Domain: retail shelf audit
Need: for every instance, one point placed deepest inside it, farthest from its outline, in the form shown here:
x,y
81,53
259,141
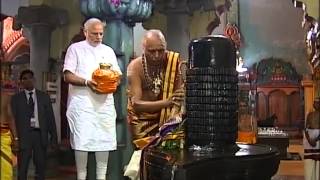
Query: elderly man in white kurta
x,y
91,116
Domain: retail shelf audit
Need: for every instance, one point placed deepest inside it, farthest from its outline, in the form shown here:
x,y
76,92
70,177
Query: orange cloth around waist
x,y
142,124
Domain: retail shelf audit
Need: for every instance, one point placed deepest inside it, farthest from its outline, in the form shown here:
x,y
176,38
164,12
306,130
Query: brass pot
x,y
106,78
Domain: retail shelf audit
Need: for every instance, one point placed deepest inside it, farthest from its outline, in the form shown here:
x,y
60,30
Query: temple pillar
x,y
178,33
37,23
39,36
309,96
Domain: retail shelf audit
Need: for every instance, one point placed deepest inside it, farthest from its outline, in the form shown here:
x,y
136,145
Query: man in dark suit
x,y
34,121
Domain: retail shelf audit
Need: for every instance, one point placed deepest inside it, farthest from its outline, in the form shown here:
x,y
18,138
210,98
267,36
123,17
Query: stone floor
x,y
293,169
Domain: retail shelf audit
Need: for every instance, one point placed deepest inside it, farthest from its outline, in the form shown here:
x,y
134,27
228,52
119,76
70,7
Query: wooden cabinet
x,y
283,101
279,93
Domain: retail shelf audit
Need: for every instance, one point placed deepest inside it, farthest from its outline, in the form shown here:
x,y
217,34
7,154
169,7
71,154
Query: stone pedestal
x,y
37,23
250,162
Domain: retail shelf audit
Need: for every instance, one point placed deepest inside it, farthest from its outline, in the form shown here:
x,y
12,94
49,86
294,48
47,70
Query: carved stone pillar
x,y
178,33
309,95
37,23
177,16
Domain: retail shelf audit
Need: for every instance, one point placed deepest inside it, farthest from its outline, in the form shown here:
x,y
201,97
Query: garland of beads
x,y
154,83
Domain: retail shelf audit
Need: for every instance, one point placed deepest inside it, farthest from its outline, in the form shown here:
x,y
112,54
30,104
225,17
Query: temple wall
x,y
312,7
37,2
10,7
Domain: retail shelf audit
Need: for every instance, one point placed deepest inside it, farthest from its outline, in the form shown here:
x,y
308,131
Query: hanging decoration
x,y
231,31
115,2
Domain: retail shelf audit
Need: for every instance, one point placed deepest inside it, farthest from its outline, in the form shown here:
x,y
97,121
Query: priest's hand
x,y
178,96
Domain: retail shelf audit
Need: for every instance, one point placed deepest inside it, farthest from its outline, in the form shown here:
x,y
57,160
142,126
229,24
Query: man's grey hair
x,y
157,33
91,22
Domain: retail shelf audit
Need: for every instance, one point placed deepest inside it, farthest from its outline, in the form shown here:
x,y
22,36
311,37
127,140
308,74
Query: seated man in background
x,y
154,87
311,143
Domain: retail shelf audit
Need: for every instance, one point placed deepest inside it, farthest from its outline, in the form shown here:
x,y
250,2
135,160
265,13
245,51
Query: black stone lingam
x,y
211,125
211,93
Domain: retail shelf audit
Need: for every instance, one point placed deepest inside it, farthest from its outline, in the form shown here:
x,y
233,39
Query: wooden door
x,y
278,105
261,106
295,106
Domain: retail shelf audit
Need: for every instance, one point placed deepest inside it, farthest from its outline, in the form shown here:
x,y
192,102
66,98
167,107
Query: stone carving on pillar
x,y
128,11
312,41
37,23
312,37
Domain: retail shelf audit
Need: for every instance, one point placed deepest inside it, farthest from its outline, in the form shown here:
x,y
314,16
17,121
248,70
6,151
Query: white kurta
x,y
91,116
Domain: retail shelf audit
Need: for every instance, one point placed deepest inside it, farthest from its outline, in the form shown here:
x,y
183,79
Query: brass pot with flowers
x,y
106,78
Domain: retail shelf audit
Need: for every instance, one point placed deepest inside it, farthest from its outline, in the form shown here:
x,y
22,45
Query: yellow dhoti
x,y
6,155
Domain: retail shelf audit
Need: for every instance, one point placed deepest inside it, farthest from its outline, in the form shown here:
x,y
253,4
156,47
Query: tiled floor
x,y
288,170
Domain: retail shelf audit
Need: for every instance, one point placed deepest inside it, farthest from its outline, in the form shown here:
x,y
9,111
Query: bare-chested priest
x,y
154,87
